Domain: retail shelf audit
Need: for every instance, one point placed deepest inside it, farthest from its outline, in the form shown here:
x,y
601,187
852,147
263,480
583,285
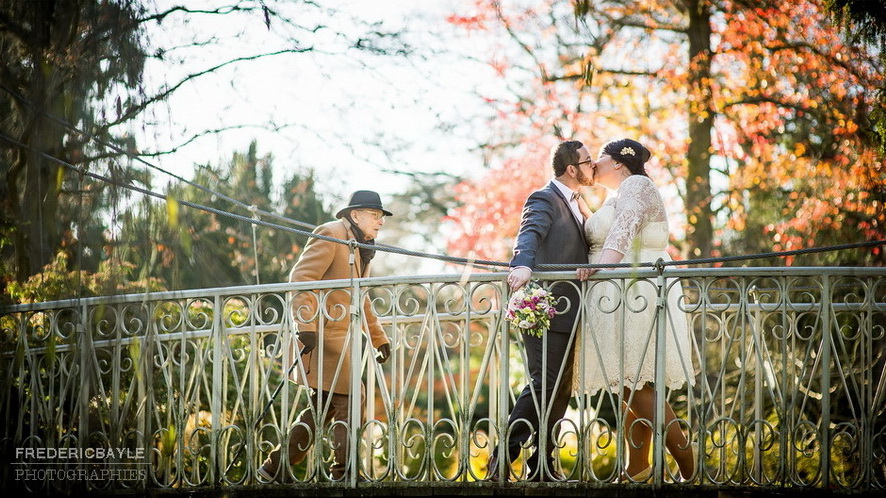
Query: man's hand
x,y
309,340
518,277
384,352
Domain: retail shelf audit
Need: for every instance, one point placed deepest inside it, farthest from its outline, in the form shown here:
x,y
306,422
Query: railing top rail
x,y
640,272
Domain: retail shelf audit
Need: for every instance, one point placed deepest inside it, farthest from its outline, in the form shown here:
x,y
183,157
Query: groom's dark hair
x,y
564,154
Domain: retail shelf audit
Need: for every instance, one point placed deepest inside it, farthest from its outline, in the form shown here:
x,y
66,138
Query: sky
x,y
349,116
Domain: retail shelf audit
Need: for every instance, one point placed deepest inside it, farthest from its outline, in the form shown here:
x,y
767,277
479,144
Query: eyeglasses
x,y
583,162
378,215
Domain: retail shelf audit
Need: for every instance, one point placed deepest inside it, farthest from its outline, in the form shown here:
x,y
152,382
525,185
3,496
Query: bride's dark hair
x,y
629,152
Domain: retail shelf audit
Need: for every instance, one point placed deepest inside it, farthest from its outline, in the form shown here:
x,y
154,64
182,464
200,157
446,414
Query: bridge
x,y
187,392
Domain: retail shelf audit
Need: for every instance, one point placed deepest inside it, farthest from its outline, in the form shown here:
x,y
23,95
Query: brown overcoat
x,y
325,260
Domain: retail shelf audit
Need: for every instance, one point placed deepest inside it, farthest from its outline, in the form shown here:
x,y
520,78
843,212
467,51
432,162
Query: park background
x,y
765,120
142,142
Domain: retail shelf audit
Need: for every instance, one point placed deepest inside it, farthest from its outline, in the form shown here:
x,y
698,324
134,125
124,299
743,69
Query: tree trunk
x,y
43,181
38,231
701,123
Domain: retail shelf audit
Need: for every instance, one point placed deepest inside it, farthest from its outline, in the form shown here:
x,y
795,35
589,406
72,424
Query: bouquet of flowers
x,y
531,309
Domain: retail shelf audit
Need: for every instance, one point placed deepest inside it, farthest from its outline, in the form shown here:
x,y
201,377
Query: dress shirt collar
x,y
571,200
567,192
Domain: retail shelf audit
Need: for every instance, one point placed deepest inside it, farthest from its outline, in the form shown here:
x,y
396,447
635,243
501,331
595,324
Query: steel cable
x,y
439,257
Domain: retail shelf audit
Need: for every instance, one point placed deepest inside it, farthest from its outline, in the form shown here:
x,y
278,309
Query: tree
x,y
72,88
801,122
866,19
490,212
418,208
747,106
60,58
190,248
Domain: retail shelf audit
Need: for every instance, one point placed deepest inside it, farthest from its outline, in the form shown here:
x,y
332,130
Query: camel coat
x,y
325,260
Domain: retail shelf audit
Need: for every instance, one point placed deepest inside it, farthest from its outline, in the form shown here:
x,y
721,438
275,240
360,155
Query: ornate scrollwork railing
x,y
786,385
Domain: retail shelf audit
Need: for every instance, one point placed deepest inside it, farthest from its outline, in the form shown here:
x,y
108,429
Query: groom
x,y
551,232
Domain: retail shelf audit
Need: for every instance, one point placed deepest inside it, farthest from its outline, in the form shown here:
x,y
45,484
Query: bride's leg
x,y
638,435
642,406
678,444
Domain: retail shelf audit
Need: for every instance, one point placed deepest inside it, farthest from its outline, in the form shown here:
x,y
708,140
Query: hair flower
x,y
531,308
628,151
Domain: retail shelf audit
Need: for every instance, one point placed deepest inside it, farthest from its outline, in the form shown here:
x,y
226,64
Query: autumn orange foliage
x,y
780,95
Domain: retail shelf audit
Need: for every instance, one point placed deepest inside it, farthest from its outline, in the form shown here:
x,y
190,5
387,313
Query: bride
x,y
619,344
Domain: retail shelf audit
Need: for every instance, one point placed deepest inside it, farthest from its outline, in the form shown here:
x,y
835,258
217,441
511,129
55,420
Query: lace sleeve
x,y
638,202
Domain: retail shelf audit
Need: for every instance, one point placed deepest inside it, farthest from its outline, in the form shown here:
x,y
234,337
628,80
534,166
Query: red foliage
x,y
790,99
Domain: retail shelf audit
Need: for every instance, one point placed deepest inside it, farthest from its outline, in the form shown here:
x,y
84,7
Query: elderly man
x,y
324,323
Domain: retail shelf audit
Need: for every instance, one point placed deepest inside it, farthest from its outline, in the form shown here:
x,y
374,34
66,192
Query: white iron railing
x,y
166,390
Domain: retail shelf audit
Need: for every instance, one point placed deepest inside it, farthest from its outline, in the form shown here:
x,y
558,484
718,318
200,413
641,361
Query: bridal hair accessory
x,y
531,308
629,152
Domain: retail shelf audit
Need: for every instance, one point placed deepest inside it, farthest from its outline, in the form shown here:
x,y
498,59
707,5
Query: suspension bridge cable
x,y
465,261
725,259
439,257
255,210
220,212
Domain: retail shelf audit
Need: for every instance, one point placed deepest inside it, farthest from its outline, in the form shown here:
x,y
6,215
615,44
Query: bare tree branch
x,y
133,110
770,100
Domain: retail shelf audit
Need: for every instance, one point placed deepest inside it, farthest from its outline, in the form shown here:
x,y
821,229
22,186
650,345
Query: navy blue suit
x,y
549,234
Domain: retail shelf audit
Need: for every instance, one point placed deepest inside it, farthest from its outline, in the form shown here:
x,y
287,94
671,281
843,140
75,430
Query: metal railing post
x,y
216,337
146,390
430,378
464,414
370,403
658,444
869,404
504,386
756,323
789,398
356,385
397,419
87,360
826,310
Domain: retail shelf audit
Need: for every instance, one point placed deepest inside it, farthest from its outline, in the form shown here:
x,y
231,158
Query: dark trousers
x,y
548,391
305,433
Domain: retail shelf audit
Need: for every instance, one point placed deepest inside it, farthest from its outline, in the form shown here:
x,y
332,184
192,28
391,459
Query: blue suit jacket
x,y
550,234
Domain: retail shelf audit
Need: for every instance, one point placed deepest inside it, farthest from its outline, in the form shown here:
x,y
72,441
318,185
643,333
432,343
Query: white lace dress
x,y
618,342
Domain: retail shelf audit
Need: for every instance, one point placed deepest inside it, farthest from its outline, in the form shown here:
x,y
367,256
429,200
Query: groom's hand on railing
x,y
518,277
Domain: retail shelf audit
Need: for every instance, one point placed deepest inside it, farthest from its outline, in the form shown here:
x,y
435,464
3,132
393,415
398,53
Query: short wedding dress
x,y
619,339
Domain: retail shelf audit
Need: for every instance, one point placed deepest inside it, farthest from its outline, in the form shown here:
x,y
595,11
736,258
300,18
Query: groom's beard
x,y
583,179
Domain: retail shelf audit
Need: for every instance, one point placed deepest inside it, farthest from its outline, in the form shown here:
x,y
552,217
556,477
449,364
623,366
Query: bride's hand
x,y
584,209
607,257
585,273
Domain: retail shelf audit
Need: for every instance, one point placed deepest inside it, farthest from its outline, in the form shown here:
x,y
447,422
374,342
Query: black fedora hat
x,y
364,199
